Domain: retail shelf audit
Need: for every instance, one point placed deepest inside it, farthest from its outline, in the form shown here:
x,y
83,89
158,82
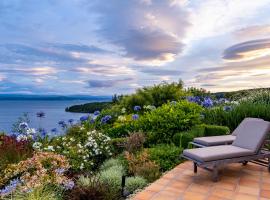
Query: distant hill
x,y
53,97
235,95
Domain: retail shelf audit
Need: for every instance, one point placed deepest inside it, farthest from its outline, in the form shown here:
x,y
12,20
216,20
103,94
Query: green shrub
x,y
110,163
113,178
212,130
135,183
155,95
166,156
120,130
162,123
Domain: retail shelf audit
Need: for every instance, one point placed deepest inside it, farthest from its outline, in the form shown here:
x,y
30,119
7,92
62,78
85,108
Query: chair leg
x,y
245,163
195,167
215,174
268,164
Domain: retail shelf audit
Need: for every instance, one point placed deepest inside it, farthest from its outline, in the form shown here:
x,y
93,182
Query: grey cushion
x,y
252,135
216,153
215,140
241,126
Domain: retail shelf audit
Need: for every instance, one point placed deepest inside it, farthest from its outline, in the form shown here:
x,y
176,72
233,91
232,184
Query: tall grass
x,y
232,118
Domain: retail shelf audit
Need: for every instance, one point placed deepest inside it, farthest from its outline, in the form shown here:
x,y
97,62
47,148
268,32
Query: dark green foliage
x,y
89,107
233,118
182,139
212,130
166,156
161,124
198,92
155,95
121,130
118,145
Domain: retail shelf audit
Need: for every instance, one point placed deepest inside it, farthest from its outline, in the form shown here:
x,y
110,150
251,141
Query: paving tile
x,y
248,190
144,195
249,183
155,187
193,196
222,193
178,185
245,197
165,195
214,198
199,188
265,193
225,185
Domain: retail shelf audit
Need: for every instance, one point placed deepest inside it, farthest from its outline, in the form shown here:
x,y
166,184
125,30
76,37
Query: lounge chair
x,y
246,147
222,139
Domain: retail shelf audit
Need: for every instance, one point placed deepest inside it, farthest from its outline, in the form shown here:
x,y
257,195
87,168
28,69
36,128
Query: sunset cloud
x,y
104,47
248,50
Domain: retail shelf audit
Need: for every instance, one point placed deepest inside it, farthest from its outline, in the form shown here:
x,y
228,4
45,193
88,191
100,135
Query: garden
x,y
114,152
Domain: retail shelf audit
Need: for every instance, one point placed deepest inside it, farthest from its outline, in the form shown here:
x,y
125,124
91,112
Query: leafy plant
x,y
41,169
135,183
140,165
12,152
92,188
39,193
155,95
166,156
162,123
135,142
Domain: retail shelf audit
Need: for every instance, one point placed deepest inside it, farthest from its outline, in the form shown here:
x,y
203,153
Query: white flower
x,y
123,110
82,128
31,131
37,145
50,148
21,137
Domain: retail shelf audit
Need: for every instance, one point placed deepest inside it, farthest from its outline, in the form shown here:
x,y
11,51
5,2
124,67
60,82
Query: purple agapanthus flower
x,y
10,187
227,108
137,108
43,133
23,125
105,119
207,102
54,130
92,121
135,116
84,118
60,171
70,121
40,114
195,99
62,123
97,112
69,185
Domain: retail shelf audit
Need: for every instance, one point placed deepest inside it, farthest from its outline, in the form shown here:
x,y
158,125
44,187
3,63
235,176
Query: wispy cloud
x,y
248,50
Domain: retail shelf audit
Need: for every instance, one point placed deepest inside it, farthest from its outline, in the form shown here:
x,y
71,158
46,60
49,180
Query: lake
x,y
54,110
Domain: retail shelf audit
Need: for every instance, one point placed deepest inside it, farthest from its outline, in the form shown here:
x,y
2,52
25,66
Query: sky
x,y
103,47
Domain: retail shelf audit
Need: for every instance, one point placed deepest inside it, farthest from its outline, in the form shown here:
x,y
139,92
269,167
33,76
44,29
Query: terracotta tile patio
x,y
250,182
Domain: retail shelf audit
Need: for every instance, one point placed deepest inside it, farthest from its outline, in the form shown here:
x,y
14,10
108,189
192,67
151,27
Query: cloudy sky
x,y
102,47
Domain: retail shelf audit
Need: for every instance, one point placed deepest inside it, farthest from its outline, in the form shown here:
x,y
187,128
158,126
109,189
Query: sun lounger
x,y
247,146
222,139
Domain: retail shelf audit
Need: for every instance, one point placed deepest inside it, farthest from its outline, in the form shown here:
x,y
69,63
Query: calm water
x,y
54,112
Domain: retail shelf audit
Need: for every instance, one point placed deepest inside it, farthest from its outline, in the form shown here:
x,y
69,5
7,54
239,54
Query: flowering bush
x,y
41,169
13,151
86,151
